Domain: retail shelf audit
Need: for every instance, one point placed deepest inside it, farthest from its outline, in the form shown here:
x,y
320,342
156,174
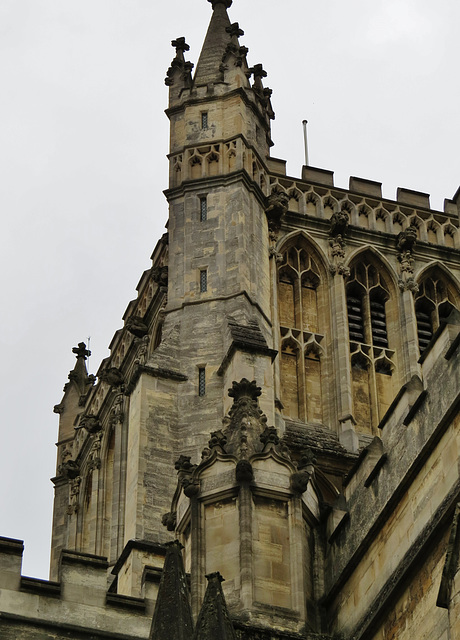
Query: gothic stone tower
x,y
331,467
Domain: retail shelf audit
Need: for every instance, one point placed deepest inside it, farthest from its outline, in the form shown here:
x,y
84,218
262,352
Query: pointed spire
x,y
172,619
208,69
214,620
79,374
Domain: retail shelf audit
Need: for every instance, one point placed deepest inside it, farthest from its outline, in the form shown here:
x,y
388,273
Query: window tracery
x,y
372,359
433,304
299,282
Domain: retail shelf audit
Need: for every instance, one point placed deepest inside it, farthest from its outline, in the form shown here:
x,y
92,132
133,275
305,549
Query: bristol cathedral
x,y
271,450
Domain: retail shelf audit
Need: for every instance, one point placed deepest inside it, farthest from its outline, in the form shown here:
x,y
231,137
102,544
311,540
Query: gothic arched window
x,y
298,306
372,360
434,302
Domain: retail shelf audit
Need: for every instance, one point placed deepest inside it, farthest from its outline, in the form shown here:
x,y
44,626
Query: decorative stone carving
x,y
95,453
337,232
169,520
116,413
142,350
278,203
136,326
69,469
244,472
74,490
218,440
305,470
160,276
406,242
91,423
58,408
269,437
111,376
179,69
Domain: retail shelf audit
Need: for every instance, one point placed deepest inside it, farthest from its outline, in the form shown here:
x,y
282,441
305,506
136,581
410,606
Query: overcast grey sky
x,y
83,140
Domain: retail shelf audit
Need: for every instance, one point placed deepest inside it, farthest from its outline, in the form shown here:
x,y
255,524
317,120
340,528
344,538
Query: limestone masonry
x,y
271,451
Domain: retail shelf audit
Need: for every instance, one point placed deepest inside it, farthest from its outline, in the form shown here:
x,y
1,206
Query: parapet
x,y
79,604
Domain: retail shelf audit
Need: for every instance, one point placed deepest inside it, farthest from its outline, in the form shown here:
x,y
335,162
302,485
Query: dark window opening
x,y
203,209
204,120
201,381
355,318
203,281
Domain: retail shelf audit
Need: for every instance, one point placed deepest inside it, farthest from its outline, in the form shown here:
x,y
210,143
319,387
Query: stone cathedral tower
x,y
282,400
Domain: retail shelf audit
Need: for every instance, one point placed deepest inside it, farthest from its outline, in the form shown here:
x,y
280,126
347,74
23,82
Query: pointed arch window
x,y
372,360
299,300
434,303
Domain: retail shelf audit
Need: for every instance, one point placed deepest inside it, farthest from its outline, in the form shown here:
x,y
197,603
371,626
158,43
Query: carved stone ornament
x,y
169,520
269,437
112,376
183,464
136,326
218,440
406,243
278,203
91,423
58,408
160,275
338,229
244,472
226,3
69,469
142,350
116,413
299,481
74,490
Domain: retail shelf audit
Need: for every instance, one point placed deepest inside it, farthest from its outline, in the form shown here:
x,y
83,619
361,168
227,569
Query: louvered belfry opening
x,y
366,298
355,316
378,321
434,303
424,325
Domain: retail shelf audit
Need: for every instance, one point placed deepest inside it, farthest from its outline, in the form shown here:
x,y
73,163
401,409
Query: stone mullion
x,y
119,503
410,336
276,324
341,343
372,377
246,540
302,383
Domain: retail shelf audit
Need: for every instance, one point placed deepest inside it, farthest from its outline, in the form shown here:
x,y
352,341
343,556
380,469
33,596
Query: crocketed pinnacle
x,y
214,622
215,44
172,619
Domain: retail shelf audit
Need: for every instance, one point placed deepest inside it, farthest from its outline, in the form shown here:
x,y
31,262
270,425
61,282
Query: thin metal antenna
x,y
305,122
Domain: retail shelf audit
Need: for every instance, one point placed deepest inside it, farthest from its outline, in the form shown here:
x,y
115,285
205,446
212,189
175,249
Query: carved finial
x,y
234,30
227,3
180,45
81,351
244,389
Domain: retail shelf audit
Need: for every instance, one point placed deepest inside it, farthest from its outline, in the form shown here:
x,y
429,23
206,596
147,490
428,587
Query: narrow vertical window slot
x,y
201,381
203,209
203,280
204,120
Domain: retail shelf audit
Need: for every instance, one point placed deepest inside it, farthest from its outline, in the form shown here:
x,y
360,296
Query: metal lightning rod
x,y
305,122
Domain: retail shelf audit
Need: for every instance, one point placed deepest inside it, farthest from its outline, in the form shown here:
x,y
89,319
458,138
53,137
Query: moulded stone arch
x,y
432,304
381,220
398,222
312,204
374,255
291,239
329,206
419,224
450,235
435,267
433,231
363,215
